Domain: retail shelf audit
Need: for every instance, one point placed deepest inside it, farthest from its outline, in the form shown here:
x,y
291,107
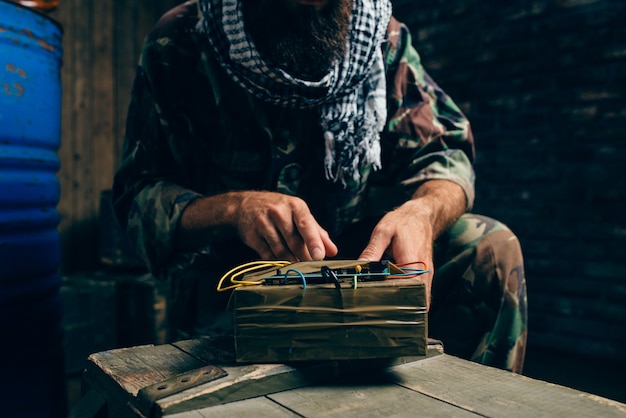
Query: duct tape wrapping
x,y
376,320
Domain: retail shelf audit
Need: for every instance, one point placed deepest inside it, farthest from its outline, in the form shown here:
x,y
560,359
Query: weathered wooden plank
x,y
83,196
77,204
188,414
102,114
65,175
119,374
259,407
69,71
148,13
355,400
126,58
242,382
496,393
249,381
137,367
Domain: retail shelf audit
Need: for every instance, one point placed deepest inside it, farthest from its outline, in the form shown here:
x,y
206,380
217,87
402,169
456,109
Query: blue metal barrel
x,y
31,354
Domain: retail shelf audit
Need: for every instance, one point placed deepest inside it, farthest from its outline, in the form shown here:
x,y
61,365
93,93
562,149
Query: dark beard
x,y
299,39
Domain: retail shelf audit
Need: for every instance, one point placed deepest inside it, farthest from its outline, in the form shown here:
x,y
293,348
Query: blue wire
x,y
299,273
410,271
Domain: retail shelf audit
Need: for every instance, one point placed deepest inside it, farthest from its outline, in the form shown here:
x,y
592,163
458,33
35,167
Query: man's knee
x,y
499,259
488,249
479,292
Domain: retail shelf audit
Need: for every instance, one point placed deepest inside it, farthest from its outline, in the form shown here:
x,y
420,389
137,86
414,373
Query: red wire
x,y
413,262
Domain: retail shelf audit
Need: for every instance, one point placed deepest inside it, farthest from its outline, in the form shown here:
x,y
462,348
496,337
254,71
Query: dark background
x,y
543,83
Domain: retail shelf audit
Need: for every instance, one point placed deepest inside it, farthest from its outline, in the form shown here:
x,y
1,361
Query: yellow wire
x,y
243,269
246,268
251,266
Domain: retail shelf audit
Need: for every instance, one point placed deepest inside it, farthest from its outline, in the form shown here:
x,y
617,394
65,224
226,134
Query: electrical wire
x,y
409,272
299,273
242,269
328,274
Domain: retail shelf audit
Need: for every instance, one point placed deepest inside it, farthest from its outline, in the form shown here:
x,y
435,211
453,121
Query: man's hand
x,y
279,226
407,233
275,225
406,236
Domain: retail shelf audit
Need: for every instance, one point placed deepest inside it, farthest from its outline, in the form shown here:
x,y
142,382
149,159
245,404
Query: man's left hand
x,y
407,233
406,236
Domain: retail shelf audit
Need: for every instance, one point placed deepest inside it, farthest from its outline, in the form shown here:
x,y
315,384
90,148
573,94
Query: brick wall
x,y
544,85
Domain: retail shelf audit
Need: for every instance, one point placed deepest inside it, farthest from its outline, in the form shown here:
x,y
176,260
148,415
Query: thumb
x,y
373,251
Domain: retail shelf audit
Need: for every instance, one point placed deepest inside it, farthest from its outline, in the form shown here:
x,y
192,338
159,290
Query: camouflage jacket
x,y
192,132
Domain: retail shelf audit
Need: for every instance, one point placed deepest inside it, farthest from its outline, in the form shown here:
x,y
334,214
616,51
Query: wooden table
x,y
167,380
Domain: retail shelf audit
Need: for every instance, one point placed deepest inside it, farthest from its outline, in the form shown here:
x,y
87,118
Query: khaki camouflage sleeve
x,y
427,137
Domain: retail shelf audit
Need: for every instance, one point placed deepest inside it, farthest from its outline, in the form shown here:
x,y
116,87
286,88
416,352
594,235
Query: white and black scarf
x,y
351,96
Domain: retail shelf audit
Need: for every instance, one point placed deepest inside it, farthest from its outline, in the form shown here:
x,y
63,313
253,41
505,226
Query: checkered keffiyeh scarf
x,y
351,96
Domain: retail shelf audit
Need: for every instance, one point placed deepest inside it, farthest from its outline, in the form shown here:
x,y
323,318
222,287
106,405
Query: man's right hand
x,y
275,225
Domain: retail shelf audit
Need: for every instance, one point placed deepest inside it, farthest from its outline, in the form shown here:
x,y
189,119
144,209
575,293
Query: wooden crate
x,y
104,310
89,318
142,304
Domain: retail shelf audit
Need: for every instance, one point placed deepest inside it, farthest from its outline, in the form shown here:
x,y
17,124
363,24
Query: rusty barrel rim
x,y
38,12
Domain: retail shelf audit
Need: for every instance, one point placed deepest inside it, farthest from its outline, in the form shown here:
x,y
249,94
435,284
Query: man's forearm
x,y
208,220
443,201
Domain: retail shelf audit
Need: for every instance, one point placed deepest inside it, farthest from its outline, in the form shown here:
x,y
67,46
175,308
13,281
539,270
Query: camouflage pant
x,y
478,306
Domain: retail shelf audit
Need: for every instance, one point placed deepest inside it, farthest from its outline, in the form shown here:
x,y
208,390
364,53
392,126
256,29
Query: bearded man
x,y
306,130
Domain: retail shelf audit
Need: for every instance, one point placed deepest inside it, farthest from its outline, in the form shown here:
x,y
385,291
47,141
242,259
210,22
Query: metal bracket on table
x,y
149,395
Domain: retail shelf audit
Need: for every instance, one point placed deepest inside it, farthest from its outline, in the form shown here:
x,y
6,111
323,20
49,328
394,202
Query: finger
x,y
377,245
279,248
311,243
260,245
284,239
266,240
330,247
